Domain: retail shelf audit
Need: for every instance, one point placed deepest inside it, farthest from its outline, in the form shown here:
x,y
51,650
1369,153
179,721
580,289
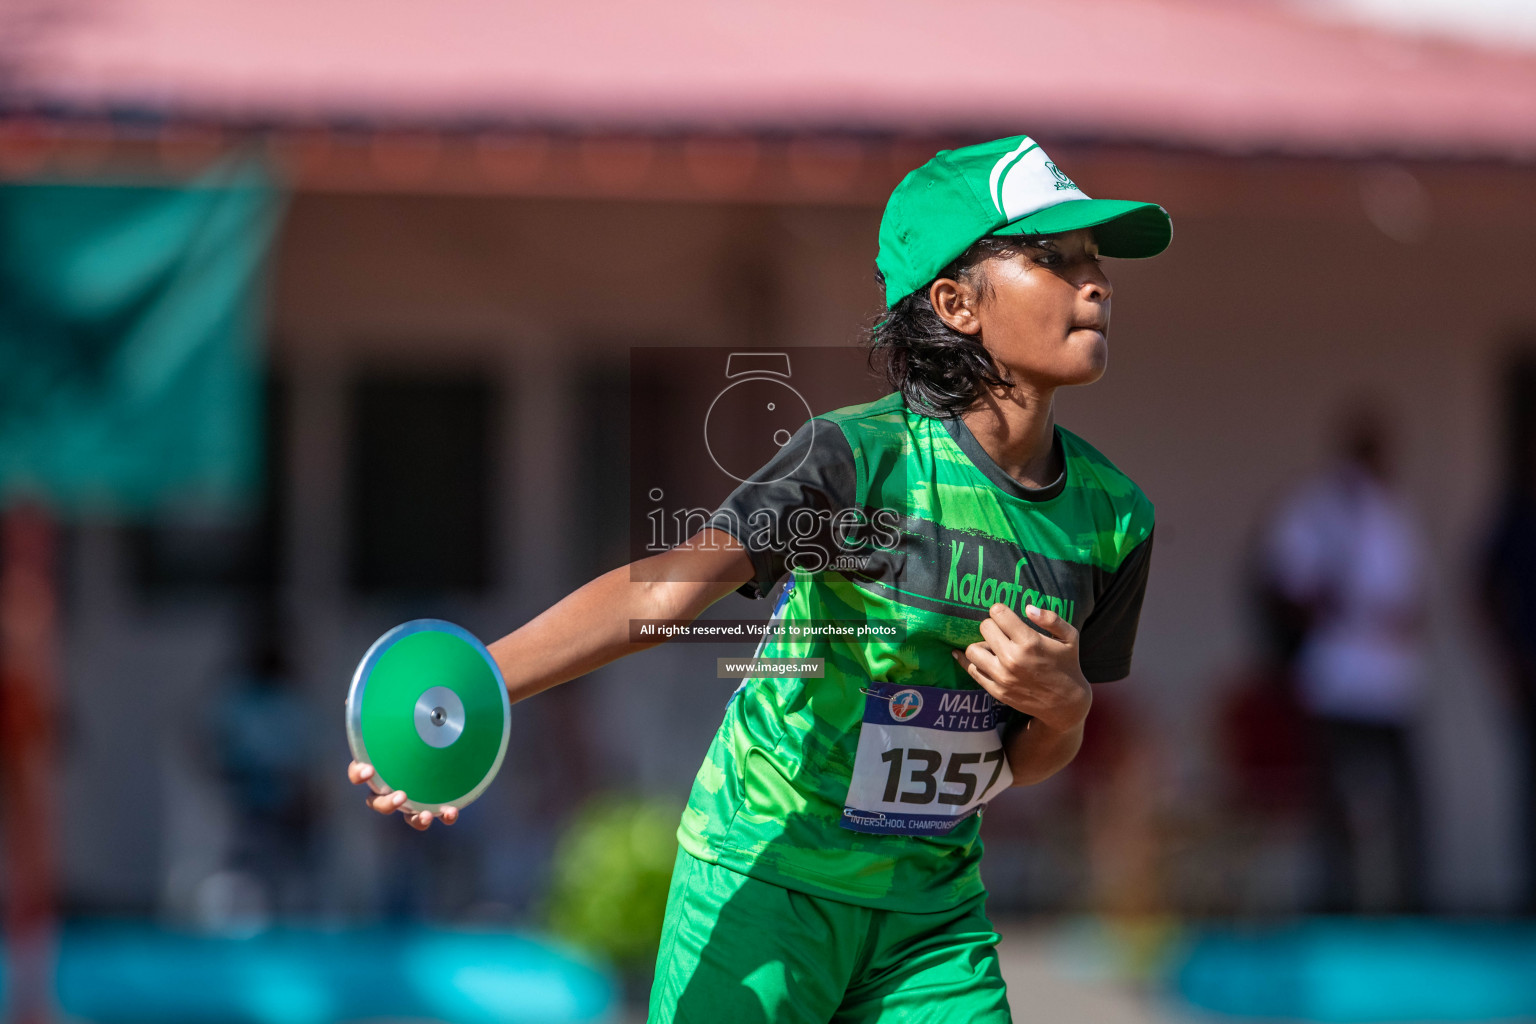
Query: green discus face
x,y
429,710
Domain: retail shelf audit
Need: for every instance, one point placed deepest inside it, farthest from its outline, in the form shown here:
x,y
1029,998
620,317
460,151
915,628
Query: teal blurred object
x,y
1362,969
130,329
122,973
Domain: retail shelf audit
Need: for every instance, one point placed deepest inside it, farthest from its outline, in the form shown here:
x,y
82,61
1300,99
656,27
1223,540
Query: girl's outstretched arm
x,y
590,627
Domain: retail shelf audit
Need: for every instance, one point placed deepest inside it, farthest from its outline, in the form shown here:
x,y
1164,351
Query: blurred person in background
x,y
1263,785
1508,592
1119,778
264,746
1345,563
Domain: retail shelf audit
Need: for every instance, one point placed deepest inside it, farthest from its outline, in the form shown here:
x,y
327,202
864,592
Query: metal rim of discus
x,y
452,717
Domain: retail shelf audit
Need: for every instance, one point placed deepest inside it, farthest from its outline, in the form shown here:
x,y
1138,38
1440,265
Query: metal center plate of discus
x,y
439,717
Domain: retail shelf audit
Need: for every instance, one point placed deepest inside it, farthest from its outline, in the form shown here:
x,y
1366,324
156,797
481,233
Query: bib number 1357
x,y
922,770
927,757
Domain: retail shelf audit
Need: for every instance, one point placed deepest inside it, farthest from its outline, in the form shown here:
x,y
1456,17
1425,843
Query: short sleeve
x,y
1104,647
787,513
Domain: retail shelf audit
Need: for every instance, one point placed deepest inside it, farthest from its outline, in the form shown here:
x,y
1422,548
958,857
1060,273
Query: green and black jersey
x,y
947,534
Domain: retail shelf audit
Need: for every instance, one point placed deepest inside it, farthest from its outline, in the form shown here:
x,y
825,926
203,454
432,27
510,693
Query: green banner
x,y
131,320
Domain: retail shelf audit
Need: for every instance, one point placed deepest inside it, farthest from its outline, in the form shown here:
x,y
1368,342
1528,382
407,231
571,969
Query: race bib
x,y
927,758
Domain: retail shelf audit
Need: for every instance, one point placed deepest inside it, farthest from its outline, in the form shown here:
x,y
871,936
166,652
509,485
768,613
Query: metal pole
x,y
28,684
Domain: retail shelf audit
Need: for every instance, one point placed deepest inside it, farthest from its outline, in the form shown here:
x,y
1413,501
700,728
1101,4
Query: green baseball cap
x,y
1006,187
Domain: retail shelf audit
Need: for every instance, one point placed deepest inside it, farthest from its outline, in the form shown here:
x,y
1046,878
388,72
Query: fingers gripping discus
x,y
429,710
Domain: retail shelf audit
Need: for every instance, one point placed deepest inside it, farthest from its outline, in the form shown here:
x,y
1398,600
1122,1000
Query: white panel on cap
x,y
1001,166
1030,183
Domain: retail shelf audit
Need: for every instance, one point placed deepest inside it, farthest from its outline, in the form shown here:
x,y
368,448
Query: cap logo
x,y
1062,181
1025,181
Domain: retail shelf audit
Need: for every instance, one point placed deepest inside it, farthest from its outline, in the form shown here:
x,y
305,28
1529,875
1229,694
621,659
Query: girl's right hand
x,y
389,801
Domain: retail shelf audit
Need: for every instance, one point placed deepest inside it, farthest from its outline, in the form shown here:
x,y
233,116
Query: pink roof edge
x,y
1236,75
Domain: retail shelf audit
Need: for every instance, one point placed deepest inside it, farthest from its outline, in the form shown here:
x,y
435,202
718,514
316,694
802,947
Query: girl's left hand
x,y
1031,666
389,801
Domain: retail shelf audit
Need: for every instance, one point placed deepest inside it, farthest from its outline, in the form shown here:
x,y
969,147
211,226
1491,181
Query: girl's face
x,y
1043,312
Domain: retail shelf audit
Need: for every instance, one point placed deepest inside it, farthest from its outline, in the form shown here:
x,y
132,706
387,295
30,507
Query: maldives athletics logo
x,y
906,705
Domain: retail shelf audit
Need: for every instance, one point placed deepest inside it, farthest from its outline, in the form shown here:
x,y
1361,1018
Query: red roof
x,y
1230,76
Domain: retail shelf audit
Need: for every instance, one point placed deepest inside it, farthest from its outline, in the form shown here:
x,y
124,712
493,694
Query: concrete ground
x,y
1060,971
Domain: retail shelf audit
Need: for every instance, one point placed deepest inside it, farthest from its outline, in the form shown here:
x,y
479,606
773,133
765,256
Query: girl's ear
x,y
955,303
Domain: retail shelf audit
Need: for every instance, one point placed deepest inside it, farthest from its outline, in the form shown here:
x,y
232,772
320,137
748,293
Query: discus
x,y
429,710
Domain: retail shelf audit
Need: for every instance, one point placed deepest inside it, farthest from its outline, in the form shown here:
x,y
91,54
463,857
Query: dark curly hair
x,y
939,371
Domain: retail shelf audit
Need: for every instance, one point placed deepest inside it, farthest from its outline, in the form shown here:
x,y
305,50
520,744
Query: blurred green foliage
x,y
612,868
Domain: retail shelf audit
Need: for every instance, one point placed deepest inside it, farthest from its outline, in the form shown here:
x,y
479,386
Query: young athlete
x,y
828,867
